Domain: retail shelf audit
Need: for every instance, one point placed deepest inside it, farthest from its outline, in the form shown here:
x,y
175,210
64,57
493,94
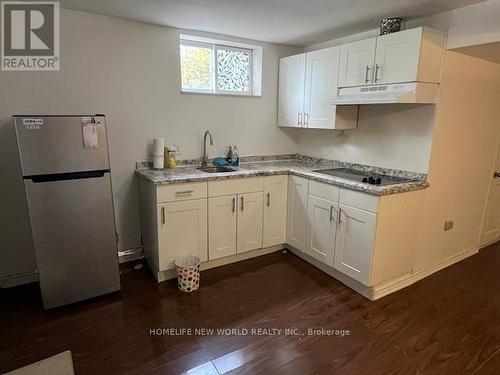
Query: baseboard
x,y
10,281
482,246
394,285
171,274
130,255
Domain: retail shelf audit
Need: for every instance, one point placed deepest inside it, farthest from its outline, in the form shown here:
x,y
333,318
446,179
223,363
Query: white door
x,y
249,233
397,57
321,228
222,226
182,228
354,243
291,90
275,202
322,68
491,223
356,63
298,189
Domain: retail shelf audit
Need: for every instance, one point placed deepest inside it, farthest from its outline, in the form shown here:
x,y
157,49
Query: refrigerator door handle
x,y
66,176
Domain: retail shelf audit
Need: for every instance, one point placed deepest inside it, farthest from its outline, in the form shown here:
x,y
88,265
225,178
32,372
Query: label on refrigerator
x,y
89,132
32,123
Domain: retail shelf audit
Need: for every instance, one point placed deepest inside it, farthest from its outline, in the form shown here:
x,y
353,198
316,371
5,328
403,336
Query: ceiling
x,y
488,51
294,22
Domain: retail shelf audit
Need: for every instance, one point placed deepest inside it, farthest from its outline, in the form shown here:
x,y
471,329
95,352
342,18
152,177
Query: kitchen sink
x,y
217,169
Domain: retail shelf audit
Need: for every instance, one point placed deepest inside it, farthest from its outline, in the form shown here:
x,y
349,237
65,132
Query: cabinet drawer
x,y
181,192
325,191
235,186
356,199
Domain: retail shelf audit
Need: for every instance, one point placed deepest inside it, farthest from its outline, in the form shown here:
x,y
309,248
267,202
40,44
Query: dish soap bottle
x,y
235,159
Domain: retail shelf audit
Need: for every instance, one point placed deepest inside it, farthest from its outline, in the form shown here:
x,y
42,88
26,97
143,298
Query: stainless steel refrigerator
x,y
66,172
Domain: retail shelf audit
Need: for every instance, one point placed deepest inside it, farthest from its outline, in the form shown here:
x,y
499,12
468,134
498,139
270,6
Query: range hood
x,y
413,92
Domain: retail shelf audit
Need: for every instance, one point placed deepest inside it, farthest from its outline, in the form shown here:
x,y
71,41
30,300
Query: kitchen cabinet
x,y
249,224
307,85
275,204
356,63
355,242
321,229
292,71
222,226
412,55
298,188
182,231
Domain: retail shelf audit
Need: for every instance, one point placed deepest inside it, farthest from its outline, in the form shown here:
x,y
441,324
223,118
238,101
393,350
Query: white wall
x,y
390,136
130,72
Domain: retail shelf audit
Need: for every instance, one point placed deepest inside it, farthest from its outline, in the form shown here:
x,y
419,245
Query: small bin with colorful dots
x,y
188,273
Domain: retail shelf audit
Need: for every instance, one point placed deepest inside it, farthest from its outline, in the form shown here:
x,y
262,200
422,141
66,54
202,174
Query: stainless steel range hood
x,y
413,92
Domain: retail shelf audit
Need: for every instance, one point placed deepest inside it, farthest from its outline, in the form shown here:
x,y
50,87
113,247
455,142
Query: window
x,y
214,68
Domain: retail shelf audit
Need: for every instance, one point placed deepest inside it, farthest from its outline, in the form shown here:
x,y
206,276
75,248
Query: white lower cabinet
x,y
182,231
275,202
222,226
298,188
355,242
321,229
249,223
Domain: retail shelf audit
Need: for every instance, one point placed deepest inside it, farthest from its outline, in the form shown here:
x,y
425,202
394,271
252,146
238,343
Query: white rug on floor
x,y
60,364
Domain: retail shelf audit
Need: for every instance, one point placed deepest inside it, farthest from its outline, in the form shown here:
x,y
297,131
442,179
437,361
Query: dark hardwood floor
x,y
448,323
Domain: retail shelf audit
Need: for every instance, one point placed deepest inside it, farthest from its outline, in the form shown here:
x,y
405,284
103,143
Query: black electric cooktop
x,y
364,177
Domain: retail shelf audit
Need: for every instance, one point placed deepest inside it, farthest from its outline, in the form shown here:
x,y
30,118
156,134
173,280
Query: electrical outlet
x,y
448,224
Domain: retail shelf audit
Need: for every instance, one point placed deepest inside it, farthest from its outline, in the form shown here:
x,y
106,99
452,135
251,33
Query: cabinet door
x,y
182,228
356,63
275,202
222,226
321,227
397,57
249,234
322,68
355,242
297,212
291,90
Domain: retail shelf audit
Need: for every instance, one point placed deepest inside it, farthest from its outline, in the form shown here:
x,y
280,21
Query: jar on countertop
x,y
170,157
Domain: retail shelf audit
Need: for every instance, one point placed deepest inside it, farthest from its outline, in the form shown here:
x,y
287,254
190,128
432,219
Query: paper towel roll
x,y
158,162
158,146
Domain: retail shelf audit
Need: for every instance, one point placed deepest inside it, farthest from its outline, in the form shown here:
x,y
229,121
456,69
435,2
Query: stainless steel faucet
x,y
204,158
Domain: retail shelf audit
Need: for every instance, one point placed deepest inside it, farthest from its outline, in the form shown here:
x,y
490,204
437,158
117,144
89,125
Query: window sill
x,y
215,94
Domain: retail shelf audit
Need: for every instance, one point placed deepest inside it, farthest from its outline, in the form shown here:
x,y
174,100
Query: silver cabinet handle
x,y
184,192
377,68
299,118
331,212
234,204
268,199
367,72
306,119
242,202
163,215
340,215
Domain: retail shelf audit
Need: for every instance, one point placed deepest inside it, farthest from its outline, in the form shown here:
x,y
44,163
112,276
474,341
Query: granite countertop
x,y
302,167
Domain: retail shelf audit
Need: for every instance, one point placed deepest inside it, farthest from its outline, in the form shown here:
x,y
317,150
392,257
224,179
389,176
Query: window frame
x,y
214,47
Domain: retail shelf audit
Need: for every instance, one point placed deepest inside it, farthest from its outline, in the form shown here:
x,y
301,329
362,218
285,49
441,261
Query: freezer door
x,y
73,228
56,144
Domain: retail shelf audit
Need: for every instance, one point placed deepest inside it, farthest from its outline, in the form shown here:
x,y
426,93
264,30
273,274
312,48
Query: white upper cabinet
x,y
317,74
356,63
412,55
292,72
